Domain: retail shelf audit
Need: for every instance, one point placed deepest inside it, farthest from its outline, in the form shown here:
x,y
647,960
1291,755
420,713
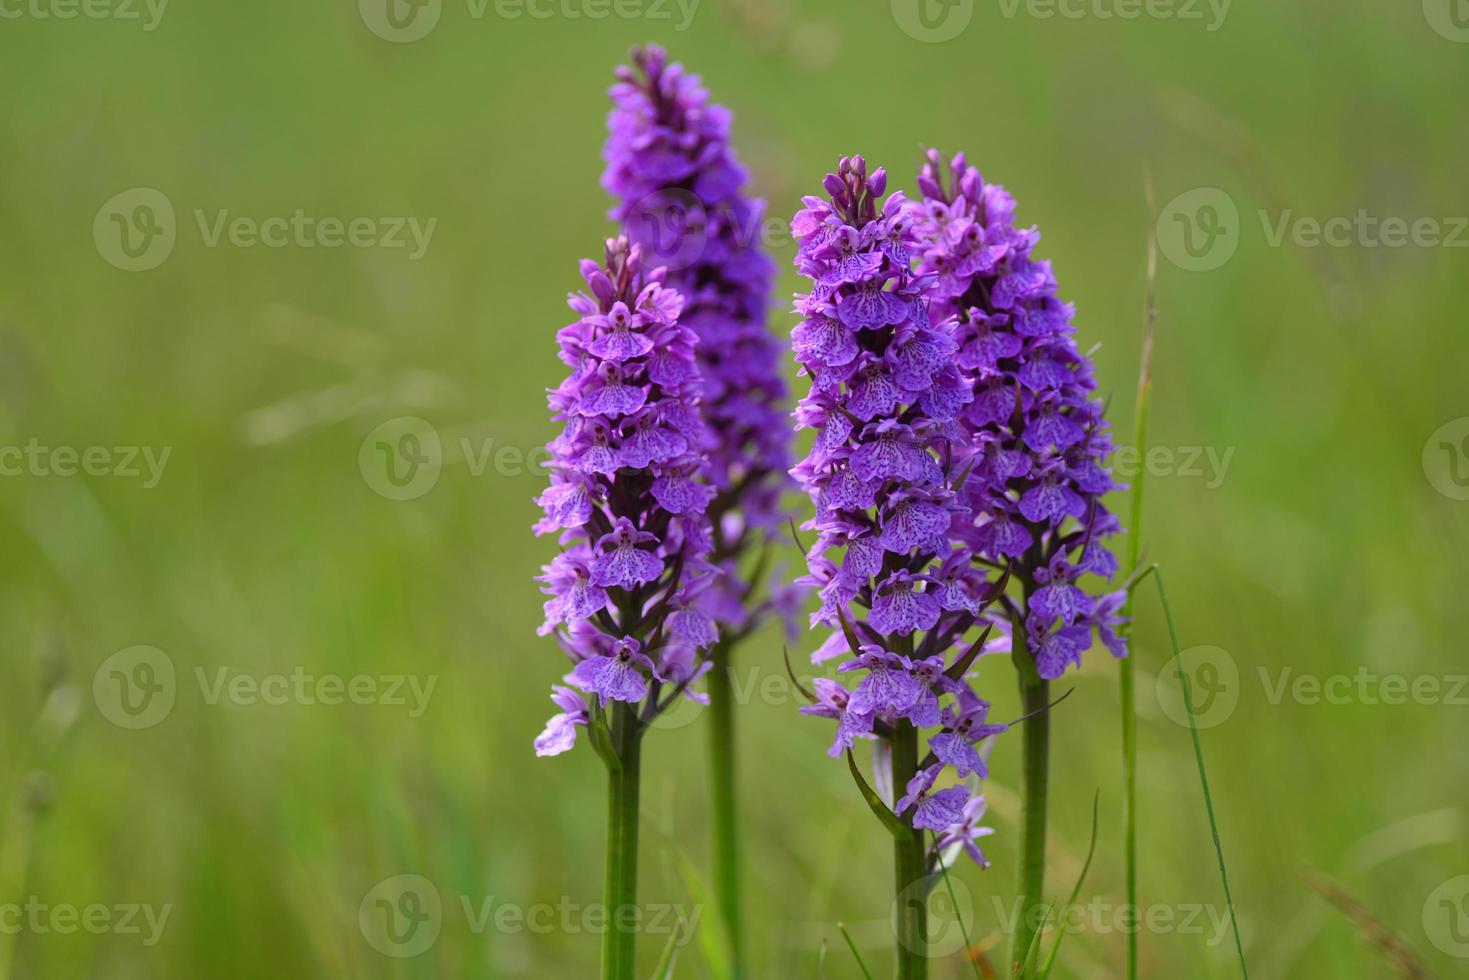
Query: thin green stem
x,y
619,943
1126,677
856,954
723,805
1193,728
959,917
1035,750
1129,800
909,866
1128,695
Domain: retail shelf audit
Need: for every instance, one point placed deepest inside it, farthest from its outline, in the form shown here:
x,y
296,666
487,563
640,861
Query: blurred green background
x,y
1333,543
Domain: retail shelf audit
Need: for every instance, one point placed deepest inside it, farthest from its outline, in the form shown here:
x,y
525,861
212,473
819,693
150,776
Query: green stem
x,y
722,797
1035,749
619,943
1126,684
1129,796
1193,728
909,866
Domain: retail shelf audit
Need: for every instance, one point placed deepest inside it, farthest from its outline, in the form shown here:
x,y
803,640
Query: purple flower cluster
x,y
1035,440
899,588
628,497
679,190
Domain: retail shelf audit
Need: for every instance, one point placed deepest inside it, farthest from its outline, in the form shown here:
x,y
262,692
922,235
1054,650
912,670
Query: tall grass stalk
x,y
1188,704
861,964
1126,667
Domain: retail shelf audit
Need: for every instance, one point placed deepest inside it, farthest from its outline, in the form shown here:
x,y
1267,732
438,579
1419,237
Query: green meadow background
x,y
1329,541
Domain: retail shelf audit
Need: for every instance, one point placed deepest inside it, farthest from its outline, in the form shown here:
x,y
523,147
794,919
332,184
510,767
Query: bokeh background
x,y
1327,539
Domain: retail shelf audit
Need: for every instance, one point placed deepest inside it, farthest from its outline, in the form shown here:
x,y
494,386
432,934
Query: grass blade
x,y
1188,704
1027,966
669,960
1076,891
959,915
853,947
1126,667
712,942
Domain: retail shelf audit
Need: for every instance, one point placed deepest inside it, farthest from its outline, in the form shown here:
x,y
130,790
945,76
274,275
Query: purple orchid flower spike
x,y
1037,441
680,195
628,499
626,496
901,591
1036,445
